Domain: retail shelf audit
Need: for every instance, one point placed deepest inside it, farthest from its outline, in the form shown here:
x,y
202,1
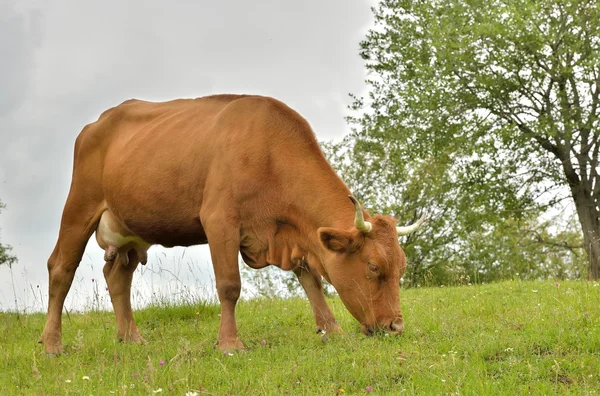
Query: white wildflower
x,y
85,377
157,391
68,381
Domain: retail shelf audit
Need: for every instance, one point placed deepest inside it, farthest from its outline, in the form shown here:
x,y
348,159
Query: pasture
x,y
507,338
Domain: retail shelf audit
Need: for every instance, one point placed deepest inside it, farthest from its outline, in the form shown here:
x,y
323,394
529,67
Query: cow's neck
x,y
328,209
290,238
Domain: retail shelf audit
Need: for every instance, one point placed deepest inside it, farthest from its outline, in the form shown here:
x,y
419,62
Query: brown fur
x,y
243,173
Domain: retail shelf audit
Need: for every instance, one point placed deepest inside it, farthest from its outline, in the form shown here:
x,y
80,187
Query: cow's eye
x,y
373,267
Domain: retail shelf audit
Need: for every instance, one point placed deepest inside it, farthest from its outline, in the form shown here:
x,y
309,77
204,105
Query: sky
x,y
65,62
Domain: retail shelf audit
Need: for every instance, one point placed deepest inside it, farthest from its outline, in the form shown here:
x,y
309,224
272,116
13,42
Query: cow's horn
x,y
359,220
411,228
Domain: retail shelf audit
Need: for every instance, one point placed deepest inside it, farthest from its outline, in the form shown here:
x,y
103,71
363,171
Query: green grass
x,y
507,338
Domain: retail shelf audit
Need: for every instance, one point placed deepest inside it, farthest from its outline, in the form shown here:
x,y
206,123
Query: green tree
x,y
488,107
476,232
5,256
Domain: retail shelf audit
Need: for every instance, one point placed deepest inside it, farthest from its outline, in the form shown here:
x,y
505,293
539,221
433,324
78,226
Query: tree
x,y
5,256
500,97
479,228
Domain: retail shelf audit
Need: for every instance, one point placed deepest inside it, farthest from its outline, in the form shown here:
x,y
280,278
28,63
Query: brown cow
x,y
243,173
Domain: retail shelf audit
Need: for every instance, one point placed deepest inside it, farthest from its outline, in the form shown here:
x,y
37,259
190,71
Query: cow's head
x,y
365,265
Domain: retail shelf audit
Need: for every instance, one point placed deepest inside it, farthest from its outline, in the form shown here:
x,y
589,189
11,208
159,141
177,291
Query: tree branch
x,y
562,244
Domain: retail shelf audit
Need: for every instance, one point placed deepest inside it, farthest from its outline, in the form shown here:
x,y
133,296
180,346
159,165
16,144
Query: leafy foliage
x,y
484,114
468,236
5,256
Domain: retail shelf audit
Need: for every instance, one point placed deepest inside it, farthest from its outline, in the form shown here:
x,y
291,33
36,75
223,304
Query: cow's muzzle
x,y
395,327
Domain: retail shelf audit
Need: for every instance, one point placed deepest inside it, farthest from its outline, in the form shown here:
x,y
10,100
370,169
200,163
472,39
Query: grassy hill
x,y
507,338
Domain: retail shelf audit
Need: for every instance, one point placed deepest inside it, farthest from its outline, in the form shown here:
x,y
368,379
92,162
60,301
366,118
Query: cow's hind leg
x,y
119,275
79,220
313,286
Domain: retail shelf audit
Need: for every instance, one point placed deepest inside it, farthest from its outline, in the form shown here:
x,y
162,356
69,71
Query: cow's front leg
x,y
119,275
313,286
224,243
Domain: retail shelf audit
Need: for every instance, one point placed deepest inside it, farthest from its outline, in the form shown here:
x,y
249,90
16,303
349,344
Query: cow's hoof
x,y
330,328
53,351
134,338
230,347
52,348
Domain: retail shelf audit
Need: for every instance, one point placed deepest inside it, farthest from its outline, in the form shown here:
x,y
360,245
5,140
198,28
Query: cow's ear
x,y
336,240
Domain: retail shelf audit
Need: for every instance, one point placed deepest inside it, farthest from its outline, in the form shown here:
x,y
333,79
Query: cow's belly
x,y
168,234
164,227
159,219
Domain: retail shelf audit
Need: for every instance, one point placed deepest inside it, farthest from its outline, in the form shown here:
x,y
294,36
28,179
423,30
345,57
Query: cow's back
x,y
162,161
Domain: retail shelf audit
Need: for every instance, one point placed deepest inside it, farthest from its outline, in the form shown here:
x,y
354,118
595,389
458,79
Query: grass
x,y
506,338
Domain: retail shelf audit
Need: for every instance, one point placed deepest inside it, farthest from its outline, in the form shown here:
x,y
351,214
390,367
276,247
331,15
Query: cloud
x,y
19,36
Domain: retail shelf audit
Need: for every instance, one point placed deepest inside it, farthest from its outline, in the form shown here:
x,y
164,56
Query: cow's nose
x,y
367,330
397,326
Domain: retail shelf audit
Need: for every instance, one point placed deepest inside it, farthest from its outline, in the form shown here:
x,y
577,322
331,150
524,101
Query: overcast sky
x,y
64,62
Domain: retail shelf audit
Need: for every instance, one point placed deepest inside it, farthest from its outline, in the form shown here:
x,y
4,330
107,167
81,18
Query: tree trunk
x,y
590,225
